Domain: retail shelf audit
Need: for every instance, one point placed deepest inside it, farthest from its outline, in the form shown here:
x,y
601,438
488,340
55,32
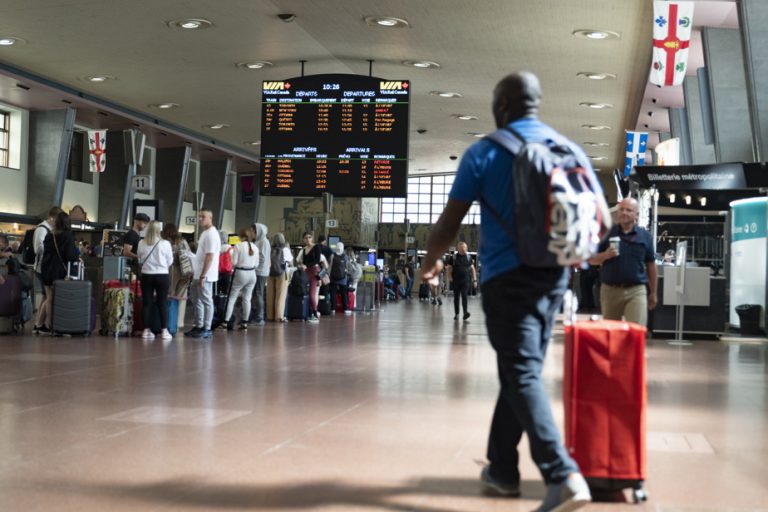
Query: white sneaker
x,y
313,319
347,311
165,335
569,495
147,334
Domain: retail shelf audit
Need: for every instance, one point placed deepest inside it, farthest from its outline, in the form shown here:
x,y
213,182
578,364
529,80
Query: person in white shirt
x,y
245,259
155,257
41,231
206,265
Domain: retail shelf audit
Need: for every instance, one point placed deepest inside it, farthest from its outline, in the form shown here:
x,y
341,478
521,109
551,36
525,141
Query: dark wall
x,y
50,138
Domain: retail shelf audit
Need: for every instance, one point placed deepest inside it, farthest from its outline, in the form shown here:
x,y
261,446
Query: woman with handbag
x,y
181,270
155,259
312,261
58,252
245,259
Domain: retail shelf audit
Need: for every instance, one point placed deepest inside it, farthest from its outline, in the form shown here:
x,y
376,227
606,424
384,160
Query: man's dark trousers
x,y
520,306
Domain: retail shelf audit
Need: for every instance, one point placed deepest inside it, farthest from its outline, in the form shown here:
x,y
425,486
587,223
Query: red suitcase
x,y
350,302
605,397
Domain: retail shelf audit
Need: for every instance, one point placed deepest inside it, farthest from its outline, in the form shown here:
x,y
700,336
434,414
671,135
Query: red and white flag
x,y
672,22
97,150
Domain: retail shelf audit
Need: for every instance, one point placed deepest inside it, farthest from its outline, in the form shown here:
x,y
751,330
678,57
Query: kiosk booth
x,y
716,287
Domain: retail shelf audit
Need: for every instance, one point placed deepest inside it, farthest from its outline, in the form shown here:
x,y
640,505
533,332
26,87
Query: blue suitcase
x,y
297,308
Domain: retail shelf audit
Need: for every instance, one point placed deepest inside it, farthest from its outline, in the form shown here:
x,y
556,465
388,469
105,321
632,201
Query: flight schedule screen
x,y
342,134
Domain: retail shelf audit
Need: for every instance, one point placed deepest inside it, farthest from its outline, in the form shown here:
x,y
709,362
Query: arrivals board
x,y
342,134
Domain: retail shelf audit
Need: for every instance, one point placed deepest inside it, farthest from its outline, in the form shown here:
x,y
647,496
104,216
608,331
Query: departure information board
x,y
342,134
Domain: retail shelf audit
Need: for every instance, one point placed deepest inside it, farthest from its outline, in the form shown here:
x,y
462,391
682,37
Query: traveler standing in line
x,y
519,302
206,265
132,238
628,267
311,260
262,272
464,275
245,259
410,277
354,272
225,264
339,278
179,281
277,285
58,252
155,258
322,242
38,237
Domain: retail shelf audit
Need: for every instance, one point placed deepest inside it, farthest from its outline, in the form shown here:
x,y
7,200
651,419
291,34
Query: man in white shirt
x,y
206,272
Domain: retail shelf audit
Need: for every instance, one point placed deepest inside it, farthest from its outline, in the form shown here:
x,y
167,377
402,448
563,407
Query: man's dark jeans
x,y
519,308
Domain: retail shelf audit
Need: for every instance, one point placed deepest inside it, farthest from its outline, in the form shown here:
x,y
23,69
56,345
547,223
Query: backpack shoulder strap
x,y
508,138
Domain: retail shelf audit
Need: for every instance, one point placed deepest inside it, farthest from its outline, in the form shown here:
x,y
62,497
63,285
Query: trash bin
x,y
749,318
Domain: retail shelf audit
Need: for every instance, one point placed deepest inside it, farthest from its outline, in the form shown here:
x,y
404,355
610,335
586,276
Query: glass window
x,y
386,217
398,218
426,200
399,208
5,138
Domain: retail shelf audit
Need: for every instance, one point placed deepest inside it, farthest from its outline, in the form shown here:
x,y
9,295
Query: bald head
x,y
628,210
515,96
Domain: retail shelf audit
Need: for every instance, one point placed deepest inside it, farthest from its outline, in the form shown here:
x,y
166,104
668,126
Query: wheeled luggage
x,y
173,317
604,397
424,291
324,301
116,309
10,304
350,301
74,311
297,308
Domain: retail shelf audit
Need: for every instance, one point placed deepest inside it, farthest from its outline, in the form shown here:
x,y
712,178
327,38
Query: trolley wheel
x,y
639,495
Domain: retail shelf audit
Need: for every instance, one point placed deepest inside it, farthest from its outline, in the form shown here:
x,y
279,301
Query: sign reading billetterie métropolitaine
x,y
698,177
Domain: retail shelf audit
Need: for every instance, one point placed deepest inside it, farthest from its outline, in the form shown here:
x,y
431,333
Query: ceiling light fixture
x,y
217,126
10,40
703,201
687,199
479,135
446,94
596,75
598,158
255,64
596,127
252,143
596,106
386,21
596,144
423,64
164,106
672,198
596,35
190,24
99,78
465,117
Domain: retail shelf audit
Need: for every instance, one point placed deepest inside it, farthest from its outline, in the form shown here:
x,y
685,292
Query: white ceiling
x,y
475,42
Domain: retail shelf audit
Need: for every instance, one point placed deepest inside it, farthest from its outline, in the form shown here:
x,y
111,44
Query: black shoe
x,y
194,331
231,325
243,327
41,329
456,316
466,315
439,302
495,486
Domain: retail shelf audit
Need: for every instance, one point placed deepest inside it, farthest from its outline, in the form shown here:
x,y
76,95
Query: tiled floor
x,y
385,411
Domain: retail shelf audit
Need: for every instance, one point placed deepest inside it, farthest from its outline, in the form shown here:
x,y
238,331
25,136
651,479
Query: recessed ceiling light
x,y
10,40
446,94
255,64
217,126
252,143
190,24
598,158
99,78
164,106
421,63
597,35
465,117
596,106
386,21
597,144
596,75
479,135
596,127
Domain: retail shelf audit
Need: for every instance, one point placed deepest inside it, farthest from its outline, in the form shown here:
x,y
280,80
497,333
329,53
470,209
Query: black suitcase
x,y
297,308
73,308
423,291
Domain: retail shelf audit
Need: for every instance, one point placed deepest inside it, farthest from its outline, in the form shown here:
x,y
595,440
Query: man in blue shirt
x,y
519,303
627,269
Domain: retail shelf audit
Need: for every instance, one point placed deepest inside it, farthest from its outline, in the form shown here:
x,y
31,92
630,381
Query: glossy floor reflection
x,y
384,411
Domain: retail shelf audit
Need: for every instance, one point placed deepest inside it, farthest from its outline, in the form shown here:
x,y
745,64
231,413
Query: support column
x,y
213,177
247,201
171,172
753,17
678,122
50,140
724,60
701,153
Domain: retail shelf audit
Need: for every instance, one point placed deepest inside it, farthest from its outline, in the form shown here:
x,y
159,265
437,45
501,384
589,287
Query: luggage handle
x,y
570,306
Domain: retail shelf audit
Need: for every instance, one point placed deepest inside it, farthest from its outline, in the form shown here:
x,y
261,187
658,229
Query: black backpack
x,y
560,211
299,285
27,247
276,262
338,267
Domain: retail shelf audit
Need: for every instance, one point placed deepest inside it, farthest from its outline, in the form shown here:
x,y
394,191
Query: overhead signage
x,y
331,223
142,183
692,177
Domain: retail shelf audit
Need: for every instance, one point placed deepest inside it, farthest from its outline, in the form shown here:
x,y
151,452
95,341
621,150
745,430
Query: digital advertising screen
x,y
342,134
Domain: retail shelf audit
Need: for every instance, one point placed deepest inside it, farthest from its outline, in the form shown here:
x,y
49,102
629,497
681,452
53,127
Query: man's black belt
x,y
241,268
625,285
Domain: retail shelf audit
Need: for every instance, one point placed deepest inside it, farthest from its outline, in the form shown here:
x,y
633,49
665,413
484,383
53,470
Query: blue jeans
x,y
520,306
409,287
